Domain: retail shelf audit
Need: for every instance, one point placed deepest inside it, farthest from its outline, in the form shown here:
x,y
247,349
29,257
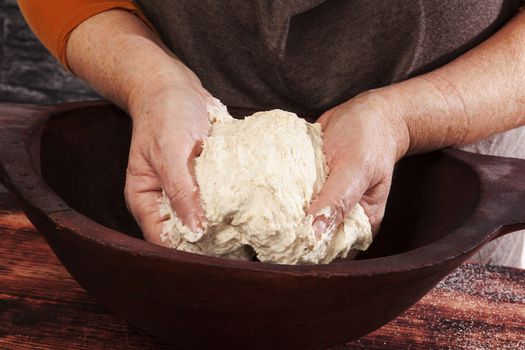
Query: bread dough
x,y
256,178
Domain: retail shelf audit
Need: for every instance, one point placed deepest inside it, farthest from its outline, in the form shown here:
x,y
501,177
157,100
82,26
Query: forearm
x,y
479,94
117,54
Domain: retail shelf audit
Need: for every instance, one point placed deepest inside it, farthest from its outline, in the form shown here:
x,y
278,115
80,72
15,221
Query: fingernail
x,y
196,223
196,227
319,226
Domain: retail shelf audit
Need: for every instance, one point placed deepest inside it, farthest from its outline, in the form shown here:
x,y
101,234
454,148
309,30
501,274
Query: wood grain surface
x,y
42,307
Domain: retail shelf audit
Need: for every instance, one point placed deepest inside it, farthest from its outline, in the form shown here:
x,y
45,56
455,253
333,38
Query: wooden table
x,y
42,307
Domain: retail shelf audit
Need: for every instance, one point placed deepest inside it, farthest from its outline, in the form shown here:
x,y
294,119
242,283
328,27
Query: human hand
x,y
363,140
170,121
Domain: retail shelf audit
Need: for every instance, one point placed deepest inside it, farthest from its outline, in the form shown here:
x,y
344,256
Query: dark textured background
x,y
28,72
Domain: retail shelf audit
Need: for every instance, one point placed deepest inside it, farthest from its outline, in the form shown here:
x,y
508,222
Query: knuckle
x,y
129,200
377,217
176,193
128,187
127,191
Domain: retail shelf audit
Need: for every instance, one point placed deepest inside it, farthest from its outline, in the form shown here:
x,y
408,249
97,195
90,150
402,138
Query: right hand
x,y
170,121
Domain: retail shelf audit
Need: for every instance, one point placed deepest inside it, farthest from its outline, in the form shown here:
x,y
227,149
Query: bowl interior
x,y
84,153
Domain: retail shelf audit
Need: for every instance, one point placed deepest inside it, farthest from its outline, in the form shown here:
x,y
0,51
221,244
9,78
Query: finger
x,y
143,203
177,177
374,203
343,189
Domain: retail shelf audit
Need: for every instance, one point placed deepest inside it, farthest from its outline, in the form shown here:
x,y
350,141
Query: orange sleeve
x,y
53,20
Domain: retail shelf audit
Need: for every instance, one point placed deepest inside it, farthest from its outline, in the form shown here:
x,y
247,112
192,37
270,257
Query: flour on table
x,y
256,178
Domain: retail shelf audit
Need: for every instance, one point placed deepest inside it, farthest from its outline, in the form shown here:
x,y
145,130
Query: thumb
x,y
344,187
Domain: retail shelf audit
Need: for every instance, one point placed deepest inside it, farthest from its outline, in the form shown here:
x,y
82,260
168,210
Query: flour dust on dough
x,y
256,178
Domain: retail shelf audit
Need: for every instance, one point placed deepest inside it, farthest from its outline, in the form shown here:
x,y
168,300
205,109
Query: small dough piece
x,y
256,177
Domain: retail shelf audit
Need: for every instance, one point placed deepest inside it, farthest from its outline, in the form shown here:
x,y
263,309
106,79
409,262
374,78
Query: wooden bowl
x,y
66,165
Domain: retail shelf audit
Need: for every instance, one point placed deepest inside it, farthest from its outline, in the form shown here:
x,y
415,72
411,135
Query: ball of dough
x,y
256,178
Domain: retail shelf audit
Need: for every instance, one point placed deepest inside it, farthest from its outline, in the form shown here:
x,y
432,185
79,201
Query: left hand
x,y
362,142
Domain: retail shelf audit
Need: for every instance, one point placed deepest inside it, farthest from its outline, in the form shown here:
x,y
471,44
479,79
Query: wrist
x,y
392,120
147,68
150,87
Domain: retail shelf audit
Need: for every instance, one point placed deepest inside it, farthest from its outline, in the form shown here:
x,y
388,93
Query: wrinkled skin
x,y
362,143
169,124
